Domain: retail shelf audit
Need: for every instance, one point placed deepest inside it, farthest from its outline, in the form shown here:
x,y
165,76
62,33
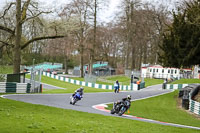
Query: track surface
x,y
92,99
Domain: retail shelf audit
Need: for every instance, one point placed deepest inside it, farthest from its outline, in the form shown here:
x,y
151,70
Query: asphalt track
x,y
46,86
94,102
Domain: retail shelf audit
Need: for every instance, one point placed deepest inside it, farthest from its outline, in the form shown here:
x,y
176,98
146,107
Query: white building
x,y
196,72
157,71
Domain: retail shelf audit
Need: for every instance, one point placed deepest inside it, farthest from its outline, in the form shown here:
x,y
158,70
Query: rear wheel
x,y
112,111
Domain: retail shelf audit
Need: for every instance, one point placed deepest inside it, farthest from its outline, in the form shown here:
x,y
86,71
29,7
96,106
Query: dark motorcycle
x,y
120,107
74,98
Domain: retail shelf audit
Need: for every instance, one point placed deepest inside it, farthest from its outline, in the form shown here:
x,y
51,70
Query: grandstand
x,y
46,66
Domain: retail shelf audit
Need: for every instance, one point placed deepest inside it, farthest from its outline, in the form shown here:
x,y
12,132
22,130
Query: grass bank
x,y
23,117
126,80
69,88
6,69
163,108
150,82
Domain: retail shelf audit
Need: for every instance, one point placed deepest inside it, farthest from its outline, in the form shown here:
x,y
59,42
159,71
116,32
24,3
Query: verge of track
x,y
93,102
102,107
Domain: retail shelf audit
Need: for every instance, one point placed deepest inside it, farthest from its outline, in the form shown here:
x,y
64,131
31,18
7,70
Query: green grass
x,y
126,80
77,78
69,88
6,69
19,117
97,82
122,79
150,82
162,108
186,81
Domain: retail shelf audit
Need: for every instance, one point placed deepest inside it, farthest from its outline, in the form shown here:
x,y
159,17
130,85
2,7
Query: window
x,y
172,71
154,70
150,70
162,70
169,71
175,71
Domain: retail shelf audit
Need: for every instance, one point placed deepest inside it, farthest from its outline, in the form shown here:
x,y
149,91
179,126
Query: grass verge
x,y
69,88
6,69
150,82
162,108
23,117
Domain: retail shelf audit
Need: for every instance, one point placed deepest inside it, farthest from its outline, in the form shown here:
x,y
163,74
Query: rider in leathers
x,y
128,98
80,91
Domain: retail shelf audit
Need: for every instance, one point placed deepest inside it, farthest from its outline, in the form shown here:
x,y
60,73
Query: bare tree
x,y
23,14
80,10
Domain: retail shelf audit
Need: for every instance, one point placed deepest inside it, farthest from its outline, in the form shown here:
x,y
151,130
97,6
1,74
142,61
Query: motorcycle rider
x,y
128,98
79,90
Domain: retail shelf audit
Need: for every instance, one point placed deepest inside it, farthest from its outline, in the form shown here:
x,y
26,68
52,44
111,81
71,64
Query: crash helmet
x,y
81,88
128,97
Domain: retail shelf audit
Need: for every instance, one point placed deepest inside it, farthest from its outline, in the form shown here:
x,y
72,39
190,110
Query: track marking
x,y
102,107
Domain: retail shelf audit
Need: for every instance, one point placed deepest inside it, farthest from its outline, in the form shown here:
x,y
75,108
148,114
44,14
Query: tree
x,y
181,45
23,14
79,9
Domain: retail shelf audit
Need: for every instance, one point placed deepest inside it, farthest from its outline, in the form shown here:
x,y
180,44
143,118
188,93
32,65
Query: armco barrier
x,y
175,86
93,85
13,87
194,106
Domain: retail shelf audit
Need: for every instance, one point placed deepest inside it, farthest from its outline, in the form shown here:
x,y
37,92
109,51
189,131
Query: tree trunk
x,y
94,37
127,57
133,58
90,65
131,33
17,48
145,52
81,59
66,64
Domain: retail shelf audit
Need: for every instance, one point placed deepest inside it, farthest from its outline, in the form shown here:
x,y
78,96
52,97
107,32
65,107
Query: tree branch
x,y
6,44
34,16
40,38
7,29
24,10
6,10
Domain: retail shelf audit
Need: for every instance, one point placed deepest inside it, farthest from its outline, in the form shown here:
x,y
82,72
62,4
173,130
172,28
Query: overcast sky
x,y
106,14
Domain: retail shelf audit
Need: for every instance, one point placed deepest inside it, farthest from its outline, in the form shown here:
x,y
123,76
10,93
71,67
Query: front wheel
x,y
122,111
74,101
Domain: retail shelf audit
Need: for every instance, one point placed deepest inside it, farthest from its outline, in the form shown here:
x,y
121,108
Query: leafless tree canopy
x,y
131,39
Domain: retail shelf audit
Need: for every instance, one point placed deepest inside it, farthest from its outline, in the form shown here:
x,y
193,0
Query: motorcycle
x,y
120,107
74,98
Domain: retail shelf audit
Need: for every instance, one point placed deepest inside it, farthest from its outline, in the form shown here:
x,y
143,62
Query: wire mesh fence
x,y
90,78
35,80
3,77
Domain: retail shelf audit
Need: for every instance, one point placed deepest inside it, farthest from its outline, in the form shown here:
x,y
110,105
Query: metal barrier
x,y
13,87
194,106
93,85
187,92
35,80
